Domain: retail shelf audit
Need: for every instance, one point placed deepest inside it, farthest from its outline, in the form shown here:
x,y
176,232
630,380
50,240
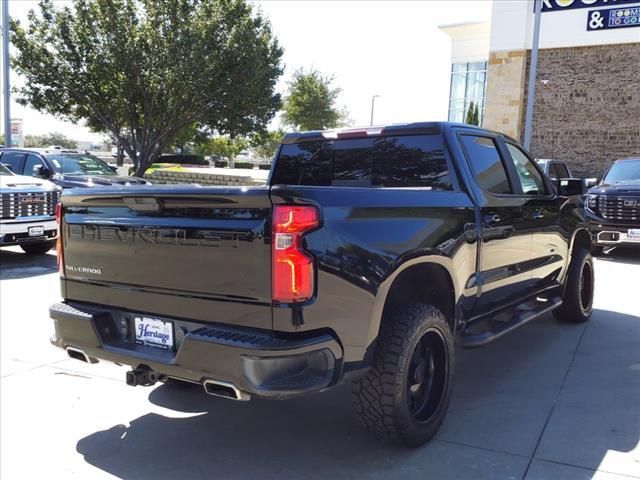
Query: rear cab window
x,y
417,161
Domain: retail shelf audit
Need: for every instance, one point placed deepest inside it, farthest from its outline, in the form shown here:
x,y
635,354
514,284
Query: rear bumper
x,y
17,232
257,362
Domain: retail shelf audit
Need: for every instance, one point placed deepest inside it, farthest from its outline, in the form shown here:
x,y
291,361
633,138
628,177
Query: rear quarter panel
x,y
367,237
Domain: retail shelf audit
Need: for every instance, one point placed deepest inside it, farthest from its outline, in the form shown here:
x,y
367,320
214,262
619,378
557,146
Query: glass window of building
x,y
468,84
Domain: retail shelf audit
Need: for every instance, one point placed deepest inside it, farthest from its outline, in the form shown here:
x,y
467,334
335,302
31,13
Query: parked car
x,y
66,168
613,207
369,250
27,212
558,169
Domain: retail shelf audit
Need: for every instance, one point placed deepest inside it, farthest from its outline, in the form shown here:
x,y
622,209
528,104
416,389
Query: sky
x,y
393,49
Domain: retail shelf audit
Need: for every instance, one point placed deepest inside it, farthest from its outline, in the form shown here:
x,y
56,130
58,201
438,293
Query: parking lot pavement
x,y
550,401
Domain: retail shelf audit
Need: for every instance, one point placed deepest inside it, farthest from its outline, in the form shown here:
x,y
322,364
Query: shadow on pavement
x,y
318,437
622,255
16,264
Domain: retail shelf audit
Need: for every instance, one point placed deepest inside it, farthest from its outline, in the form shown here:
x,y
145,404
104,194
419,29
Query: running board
x,y
517,317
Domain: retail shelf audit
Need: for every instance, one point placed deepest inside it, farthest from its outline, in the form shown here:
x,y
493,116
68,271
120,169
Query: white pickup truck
x,y
27,212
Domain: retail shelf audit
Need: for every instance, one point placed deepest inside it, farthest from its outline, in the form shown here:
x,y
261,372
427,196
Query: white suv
x,y
27,212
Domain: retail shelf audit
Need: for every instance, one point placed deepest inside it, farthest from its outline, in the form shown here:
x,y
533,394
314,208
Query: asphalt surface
x,y
549,401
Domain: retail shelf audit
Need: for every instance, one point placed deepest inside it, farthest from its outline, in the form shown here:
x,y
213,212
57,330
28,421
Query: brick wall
x,y
589,113
169,177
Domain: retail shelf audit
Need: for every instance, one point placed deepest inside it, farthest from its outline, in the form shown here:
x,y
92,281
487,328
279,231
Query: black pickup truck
x,y
613,207
363,257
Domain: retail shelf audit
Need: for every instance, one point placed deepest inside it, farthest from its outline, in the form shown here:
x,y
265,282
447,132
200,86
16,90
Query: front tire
x,y
38,248
577,303
405,395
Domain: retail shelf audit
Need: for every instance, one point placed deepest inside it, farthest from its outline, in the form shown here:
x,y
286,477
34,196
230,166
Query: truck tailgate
x,y
167,244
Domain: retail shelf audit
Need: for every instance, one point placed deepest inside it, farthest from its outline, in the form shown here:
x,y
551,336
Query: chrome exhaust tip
x,y
78,354
226,390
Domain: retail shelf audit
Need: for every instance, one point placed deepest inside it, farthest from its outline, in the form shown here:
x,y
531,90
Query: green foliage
x,y
473,115
145,70
311,102
183,159
265,143
221,163
225,147
49,139
243,165
264,166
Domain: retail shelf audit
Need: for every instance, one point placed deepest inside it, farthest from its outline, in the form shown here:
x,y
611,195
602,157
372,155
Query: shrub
x,y
265,166
183,159
243,165
221,163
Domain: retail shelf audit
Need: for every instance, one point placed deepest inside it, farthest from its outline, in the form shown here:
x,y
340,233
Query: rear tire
x,y
38,248
405,395
577,303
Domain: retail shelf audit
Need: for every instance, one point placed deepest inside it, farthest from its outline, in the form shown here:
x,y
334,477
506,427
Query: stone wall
x,y
505,92
178,177
589,112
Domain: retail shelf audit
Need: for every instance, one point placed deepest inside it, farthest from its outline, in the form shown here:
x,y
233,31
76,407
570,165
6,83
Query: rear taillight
x,y
292,266
59,241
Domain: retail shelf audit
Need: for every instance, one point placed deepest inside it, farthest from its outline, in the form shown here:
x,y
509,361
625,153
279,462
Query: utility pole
x,y
5,72
533,71
373,102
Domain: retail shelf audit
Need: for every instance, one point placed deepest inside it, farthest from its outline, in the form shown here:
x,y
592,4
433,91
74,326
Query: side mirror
x,y
114,169
569,187
40,171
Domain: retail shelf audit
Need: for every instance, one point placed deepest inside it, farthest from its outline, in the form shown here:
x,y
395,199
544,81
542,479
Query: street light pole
x,y
373,102
5,72
533,71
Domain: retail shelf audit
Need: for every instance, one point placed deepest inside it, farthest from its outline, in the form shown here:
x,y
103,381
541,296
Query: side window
x,y
528,175
553,171
15,161
486,163
32,161
563,171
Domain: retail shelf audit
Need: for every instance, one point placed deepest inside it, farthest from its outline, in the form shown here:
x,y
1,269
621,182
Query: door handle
x,y
536,214
492,218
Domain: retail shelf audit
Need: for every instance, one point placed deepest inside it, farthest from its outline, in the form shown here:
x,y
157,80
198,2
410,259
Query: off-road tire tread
x,y
374,393
570,310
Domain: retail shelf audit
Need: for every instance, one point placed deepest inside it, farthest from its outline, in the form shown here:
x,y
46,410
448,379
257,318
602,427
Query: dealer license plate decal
x,y
154,333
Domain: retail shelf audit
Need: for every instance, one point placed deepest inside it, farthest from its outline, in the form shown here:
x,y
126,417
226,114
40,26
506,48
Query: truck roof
x,y
414,128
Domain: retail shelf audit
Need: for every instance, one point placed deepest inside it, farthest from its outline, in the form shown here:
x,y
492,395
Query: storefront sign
x,y
613,18
562,5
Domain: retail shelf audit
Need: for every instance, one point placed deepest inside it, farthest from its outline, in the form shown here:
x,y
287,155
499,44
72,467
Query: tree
x,y
49,139
226,147
311,102
265,143
472,116
144,70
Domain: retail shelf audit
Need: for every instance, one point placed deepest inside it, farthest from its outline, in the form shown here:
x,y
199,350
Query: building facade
x,y
587,98
469,56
